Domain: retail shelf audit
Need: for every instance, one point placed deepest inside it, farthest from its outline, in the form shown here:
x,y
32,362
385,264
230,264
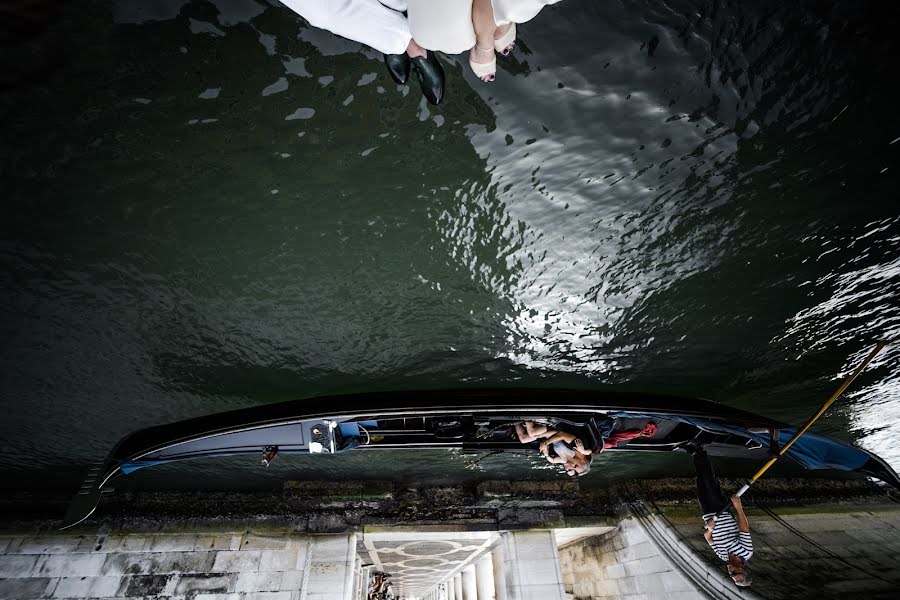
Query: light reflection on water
x,y
860,302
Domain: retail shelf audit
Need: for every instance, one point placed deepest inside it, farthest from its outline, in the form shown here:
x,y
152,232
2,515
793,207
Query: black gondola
x,y
471,420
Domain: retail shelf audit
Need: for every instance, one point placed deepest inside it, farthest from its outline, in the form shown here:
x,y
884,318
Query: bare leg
x,y
537,430
414,50
483,22
529,431
522,433
499,32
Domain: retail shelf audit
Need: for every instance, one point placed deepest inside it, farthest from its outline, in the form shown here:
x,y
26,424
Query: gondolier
x,y
728,535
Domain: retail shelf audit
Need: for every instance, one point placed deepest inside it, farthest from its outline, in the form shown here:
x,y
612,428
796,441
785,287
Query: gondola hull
x,y
470,420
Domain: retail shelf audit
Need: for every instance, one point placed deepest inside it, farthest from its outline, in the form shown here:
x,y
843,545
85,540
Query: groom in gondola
x,y
728,535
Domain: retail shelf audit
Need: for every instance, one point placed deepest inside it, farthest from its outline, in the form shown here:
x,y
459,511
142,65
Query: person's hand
x,y
543,448
579,446
736,502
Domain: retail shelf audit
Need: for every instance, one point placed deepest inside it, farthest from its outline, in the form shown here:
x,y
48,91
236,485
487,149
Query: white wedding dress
x,y
380,25
439,25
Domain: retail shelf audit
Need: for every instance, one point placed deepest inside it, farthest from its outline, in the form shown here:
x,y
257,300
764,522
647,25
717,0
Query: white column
x,y
469,587
451,589
497,558
457,586
484,578
531,565
357,578
331,560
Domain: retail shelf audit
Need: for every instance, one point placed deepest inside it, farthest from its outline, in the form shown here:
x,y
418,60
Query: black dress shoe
x,y
431,77
398,66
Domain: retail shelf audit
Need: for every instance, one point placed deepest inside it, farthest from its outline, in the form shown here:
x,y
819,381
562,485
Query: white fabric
x,y
446,25
439,25
518,11
442,25
562,450
380,25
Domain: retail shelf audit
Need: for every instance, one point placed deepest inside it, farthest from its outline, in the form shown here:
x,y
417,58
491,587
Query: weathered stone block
x,y
211,583
655,564
214,542
14,565
278,560
297,541
605,587
258,582
145,585
134,543
25,588
654,583
855,587
644,549
231,561
831,539
291,580
173,543
615,571
134,563
327,523
538,572
537,592
116,564
104,587
50,545
327,548
686,596
268,596
68,565
319,568
674,582
531,518
73,587
627,585
254,541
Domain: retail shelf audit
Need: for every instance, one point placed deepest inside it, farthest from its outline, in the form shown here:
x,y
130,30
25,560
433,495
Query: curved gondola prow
x,y
86,499
877,468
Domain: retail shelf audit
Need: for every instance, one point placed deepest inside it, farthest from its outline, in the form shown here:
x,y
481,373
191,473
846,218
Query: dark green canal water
x,y
212,205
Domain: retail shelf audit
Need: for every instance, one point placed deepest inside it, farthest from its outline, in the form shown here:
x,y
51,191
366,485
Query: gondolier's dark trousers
x,y
709,492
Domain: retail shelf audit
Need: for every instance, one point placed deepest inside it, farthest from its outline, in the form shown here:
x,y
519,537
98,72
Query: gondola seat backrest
x,y
591,433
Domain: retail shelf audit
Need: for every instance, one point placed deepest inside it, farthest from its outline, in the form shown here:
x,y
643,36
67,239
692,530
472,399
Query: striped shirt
x,y
728,539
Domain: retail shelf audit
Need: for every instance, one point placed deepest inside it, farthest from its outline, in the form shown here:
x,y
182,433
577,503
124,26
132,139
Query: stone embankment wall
x,y
302,544
823,551
816,552
225,566
625,563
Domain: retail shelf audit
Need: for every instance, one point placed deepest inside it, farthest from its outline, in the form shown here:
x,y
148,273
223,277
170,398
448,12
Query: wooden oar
x,y
878,348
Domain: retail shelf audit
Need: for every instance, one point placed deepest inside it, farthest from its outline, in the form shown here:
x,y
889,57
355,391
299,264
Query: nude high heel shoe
x,y
506,42
486,72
